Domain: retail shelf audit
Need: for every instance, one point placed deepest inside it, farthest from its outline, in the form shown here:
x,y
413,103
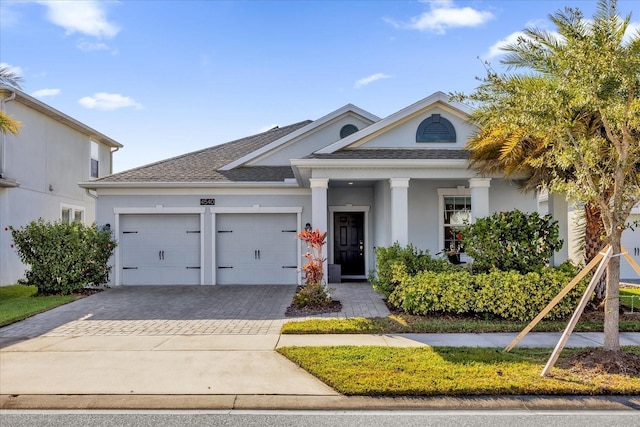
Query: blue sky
x,y
169,77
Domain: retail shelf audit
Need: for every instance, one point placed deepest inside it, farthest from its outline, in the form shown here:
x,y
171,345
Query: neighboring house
x,y
40,169
230,214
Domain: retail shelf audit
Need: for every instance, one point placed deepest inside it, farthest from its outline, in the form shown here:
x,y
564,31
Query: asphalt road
x,y
320,418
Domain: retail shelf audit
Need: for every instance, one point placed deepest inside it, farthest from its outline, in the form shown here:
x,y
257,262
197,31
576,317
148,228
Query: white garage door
x,y
631,242
255,249
160,249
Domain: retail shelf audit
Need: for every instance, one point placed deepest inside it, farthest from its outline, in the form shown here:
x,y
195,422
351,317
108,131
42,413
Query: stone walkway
x,y
186,310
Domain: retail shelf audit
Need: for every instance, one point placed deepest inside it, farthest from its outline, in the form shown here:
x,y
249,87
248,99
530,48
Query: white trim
x,y
253,209
349,108
330,240
72,210
442,193
204,192
158,210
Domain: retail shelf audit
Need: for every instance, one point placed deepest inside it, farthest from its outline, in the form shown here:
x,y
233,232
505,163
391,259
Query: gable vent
x,y
436,129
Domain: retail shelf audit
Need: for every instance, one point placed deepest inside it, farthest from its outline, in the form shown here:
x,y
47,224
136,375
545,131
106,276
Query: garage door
x,y
254,249
631,242
160,249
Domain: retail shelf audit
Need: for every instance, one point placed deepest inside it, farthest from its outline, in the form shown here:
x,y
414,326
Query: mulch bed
x,y
333,307
600,361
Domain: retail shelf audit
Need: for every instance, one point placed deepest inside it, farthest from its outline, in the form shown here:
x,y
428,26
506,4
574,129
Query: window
x,y
348,130
71,213
457,213
95,153
435,128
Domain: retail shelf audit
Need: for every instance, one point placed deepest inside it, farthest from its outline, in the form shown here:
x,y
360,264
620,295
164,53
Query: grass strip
x,y
457,371
17,302
630,298
398,324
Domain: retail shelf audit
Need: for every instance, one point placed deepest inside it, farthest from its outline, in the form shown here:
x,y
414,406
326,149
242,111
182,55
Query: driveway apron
x,y
171,340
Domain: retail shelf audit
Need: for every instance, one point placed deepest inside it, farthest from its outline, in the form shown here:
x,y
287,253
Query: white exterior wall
x,y
47,159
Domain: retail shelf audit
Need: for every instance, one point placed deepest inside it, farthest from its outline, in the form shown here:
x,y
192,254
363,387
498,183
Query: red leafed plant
x,y
313,293
314,268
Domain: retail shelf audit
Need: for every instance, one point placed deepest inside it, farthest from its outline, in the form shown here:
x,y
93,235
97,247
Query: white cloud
x,y
108,101
41,93
370,79
496,48
86,17
87,46
443,15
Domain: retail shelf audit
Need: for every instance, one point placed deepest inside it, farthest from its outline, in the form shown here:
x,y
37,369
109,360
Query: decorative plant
x,y
313,292
63,258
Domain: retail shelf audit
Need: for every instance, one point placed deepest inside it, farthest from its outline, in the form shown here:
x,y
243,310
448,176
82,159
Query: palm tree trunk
x,y
594,233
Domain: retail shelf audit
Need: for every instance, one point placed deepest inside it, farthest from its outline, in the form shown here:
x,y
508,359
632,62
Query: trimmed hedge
x,y
506,295
413,259
63,258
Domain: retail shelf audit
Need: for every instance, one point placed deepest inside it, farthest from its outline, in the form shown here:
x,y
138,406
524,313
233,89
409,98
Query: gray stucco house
x,y
230,214
40,169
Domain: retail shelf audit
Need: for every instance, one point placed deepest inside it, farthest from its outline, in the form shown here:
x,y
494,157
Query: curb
x,y
296,402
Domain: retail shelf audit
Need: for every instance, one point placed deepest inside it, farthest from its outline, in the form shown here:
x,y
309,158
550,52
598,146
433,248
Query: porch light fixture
x,y
307,227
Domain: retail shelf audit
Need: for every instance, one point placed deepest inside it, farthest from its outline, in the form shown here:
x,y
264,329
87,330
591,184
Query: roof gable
x,y
413,115
309,134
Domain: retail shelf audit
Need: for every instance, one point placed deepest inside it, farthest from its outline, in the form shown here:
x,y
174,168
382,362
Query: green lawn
x,y
398,324
630,297
429,371
18,302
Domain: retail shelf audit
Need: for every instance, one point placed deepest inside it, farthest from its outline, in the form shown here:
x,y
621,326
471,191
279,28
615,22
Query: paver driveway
x,y
184,310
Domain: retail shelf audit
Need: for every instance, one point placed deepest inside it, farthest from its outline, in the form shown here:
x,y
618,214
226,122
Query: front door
x,y
348,242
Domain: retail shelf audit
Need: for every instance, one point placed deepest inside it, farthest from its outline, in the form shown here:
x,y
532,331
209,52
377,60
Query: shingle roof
x,y
203,165
395,154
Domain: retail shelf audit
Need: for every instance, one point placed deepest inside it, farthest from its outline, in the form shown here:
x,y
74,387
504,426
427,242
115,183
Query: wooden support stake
x,y
576,315
628,257
557,299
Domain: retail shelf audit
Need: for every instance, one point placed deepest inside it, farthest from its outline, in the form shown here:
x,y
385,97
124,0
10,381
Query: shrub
x,y
413,259
433,292
511,241
312,294
507,295
63,258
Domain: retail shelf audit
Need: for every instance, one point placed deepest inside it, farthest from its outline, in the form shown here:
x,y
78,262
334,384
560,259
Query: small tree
x,y
313,292
63,258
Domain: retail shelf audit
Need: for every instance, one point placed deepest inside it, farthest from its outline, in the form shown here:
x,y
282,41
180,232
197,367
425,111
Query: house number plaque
x,y
207,202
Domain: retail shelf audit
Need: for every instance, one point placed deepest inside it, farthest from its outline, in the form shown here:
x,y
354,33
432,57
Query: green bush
x,y
507,295
433,292
413,259
63,258
312,294
511,241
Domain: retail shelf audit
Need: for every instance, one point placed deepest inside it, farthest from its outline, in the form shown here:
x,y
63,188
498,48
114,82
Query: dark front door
x,y
348,242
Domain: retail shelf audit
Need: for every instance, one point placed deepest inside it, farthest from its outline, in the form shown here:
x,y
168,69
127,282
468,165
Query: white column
x,y
400,210
559,210
479,188
319,188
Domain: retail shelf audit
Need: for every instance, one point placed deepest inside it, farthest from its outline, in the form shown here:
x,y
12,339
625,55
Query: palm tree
x,y
7,123
580,96
498,147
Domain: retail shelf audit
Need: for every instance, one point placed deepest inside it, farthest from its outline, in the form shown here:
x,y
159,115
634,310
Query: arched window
x,y
348,130
436,129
